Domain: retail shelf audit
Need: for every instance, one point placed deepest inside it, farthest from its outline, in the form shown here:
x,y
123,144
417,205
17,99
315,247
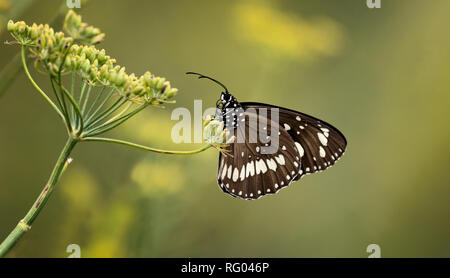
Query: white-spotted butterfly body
x,y
304,145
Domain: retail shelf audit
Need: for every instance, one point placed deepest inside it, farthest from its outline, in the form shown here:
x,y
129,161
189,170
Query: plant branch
x,y
25,224
142,147
114,123
24,63
75,106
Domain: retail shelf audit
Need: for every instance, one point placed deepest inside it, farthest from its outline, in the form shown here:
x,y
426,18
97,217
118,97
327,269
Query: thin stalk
x,y
83,88
75,107
72,112
120,114
142,147
116,105
25,224
58,98
110,125
63,105
88,120
86,99
97,98
24,63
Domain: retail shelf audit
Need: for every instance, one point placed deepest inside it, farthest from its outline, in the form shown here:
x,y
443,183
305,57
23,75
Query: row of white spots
x,y
271,164
260,166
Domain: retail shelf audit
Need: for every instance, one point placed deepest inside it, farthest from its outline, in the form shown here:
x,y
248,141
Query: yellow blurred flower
x,y
142,128
5,5
155,178
80,188
286,33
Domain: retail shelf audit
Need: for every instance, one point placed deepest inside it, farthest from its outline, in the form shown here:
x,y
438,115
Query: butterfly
x,y
249,168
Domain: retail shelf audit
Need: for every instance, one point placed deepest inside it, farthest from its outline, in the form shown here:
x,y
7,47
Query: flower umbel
x,y
216,134
58,54
91,94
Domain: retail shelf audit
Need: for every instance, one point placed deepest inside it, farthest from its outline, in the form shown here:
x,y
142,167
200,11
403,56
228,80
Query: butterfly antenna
x,y
200,76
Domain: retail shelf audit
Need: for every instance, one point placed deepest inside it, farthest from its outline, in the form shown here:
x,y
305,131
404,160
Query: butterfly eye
x,y
225,97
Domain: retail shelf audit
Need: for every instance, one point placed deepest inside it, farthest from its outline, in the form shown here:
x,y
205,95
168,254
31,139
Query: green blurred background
x,y
380,75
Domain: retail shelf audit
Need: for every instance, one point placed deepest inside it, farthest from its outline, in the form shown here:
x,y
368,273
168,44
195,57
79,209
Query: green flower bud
x,y
160,83
86,66
21,27
112,76
11,26
121,79
170,93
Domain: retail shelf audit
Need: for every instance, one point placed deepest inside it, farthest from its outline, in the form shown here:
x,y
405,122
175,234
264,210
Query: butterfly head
x,y
227,101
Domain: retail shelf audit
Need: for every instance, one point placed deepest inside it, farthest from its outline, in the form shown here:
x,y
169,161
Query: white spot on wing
x,y
287,127
322,138
271,164
235,174
322,151
260,166
250,169
300,149
242,175
280,159
224,172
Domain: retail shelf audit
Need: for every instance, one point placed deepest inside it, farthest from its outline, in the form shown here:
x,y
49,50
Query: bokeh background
x,y
380,75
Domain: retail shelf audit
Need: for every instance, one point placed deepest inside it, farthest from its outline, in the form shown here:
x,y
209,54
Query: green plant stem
x,y
142,147
106,99
63,106
25,224
24,63
116,105
114,123
79,117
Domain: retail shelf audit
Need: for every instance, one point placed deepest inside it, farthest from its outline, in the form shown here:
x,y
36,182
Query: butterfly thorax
x,y
230,110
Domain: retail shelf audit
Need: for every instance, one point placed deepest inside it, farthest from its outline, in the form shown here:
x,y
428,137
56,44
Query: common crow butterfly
x,y
248,168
